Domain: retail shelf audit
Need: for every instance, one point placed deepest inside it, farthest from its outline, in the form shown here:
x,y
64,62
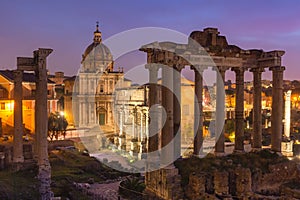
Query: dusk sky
x,y
67,26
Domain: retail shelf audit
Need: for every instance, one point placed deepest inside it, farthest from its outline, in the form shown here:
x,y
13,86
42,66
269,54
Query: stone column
x,y
18,118
198,110
41,115
1,130
257,117
146,125
287,114
153,100
239,109
141,135
121,122
220,111
277,108
167,143
177,109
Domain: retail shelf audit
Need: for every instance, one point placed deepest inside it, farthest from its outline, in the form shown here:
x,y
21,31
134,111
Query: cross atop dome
x,y
97,34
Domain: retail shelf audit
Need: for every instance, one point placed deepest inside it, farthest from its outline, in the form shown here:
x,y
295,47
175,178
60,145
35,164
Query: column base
x,y
199,155
287,148
152,163
239,151
17,166
219,154
256,149
19,159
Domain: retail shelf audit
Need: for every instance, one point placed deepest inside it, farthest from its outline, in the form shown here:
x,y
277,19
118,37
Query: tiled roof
x,y
27,77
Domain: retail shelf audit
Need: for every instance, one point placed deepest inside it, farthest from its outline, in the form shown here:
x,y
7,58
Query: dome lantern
x,y
97,34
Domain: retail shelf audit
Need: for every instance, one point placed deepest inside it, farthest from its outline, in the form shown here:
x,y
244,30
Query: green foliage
x,y
134,184
229,126
57,125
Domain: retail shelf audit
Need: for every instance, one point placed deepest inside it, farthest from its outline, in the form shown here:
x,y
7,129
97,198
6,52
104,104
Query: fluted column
x,y
239,109
277,107
198,110
220,111
177,109
18,118
257,118
153,100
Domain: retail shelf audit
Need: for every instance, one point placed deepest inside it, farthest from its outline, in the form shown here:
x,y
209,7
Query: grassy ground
x,y
67,166
18,185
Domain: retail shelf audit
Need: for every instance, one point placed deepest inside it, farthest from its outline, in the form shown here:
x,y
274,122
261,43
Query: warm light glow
x,y
10,106
62,113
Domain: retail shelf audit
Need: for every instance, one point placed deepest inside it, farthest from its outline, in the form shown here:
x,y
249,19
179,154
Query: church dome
x,y
99,51
97,56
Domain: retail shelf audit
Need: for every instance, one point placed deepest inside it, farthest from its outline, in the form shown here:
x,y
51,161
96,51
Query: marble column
x,y
277,108
18,118
153,100
287,114
177,109
257,117
239,109
167,142
220,111
198,110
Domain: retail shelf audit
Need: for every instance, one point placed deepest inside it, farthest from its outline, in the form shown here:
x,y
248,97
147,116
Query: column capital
x,y
198,68
277,68
257,69
152,66
18,75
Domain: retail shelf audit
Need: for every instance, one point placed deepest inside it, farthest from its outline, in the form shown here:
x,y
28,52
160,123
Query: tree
x,y
57,125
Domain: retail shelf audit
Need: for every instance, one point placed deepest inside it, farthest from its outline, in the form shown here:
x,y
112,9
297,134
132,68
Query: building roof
x,y
72,78
27,77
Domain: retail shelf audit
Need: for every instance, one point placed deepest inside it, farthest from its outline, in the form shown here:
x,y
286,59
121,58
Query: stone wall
x,y
243,183
164,183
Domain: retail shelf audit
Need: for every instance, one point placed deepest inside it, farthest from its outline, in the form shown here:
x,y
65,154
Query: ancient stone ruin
x,y
36,64
205,49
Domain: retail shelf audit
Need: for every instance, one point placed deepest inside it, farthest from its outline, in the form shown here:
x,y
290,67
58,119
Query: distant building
x,y
29,88
92,96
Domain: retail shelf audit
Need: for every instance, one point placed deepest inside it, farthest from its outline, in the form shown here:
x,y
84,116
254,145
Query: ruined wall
x,y
240,182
